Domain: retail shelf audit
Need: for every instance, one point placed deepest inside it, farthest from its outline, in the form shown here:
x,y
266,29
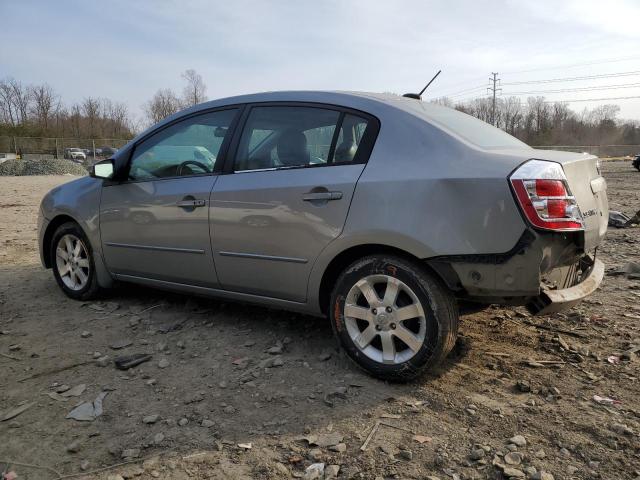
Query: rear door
x,y
286,195
156,223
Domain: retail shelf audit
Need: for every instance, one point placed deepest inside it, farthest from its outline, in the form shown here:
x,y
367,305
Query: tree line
x,y
539,122
37,110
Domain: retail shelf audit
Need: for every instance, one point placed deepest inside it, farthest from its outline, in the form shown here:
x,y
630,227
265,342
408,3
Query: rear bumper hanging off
x,y
551,301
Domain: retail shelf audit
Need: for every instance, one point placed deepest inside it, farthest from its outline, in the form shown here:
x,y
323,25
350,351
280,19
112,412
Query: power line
x,y
597,62
591,99
572,79
579,89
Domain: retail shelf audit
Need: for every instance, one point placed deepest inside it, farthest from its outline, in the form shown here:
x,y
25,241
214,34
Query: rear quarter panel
x,y
449,198
429,194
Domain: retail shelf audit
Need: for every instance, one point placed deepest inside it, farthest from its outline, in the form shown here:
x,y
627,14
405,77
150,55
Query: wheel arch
x,y
48,235
355,252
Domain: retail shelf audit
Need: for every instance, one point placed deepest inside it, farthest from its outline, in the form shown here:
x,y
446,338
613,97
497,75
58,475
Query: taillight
x,y
544,196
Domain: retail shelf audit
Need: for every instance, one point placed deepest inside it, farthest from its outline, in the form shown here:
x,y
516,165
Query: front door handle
x,y
311,196
190,203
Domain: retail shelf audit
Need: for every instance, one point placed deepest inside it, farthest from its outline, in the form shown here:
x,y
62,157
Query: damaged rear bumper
x,y
551,301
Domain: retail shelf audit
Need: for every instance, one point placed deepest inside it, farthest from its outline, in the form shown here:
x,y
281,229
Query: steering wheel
x,y
201,166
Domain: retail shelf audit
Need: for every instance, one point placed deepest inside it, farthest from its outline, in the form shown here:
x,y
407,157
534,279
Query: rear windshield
x,y
473,130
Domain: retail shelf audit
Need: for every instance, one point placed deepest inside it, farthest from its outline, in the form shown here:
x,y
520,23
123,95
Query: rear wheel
x,y
72,262
392,317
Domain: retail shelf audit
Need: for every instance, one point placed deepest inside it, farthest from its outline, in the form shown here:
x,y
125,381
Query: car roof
x,y
358,100
382,105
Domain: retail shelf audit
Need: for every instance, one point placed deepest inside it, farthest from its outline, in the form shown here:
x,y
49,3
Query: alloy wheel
x,y
385,319
72,262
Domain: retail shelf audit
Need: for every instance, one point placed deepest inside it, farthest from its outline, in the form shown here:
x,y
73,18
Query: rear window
x,y
473,130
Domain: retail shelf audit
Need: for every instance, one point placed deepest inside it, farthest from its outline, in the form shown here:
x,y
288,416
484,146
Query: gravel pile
x,y
41,167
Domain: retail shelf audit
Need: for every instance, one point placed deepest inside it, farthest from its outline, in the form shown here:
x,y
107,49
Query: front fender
x,y
78,200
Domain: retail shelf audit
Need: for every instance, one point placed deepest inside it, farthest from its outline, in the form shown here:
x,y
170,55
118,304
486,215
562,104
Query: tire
x,y
430,315
85,286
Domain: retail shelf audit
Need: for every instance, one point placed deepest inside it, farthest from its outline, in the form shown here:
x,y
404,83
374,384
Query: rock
x,y
477,454
115,477
339,447
540,454
324,439
120,344
183,421
103,361
88,411
314,471
206,423
129,361
282,470
325,355
229,410
621,429
84,465
513,458
85,334
74,447
542,476
75,391
61,388
277,362
331,472
277,349
163,363
131,453
530,471
150,419
180,344
406,454
523,386
511,472
315,454
158,438
223,384
151,381
518,440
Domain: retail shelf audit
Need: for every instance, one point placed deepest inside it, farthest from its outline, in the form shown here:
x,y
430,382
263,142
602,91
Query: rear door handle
x,y
190,203
311,196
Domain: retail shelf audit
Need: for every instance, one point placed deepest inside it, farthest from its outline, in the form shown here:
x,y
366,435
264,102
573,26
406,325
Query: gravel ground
x,y
233,391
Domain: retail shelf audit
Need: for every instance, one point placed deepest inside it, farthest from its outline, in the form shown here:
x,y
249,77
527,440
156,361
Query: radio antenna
x,y
418,96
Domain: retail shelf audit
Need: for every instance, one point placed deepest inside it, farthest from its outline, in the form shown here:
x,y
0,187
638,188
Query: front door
x,y
156,223
294,173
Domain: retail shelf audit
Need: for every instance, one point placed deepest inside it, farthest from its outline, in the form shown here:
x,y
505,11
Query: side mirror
x,y
103,169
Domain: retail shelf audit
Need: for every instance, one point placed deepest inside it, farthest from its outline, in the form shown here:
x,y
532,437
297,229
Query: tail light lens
x,y
544,196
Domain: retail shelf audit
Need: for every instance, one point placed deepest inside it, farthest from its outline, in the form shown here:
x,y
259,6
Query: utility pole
x,y
493,89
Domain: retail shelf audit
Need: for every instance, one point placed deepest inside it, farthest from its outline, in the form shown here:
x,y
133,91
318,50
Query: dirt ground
x,y
234,391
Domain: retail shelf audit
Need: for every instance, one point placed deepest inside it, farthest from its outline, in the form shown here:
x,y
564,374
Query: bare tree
x,y
195,91
6,103
21,98
45,104
91,112
163,103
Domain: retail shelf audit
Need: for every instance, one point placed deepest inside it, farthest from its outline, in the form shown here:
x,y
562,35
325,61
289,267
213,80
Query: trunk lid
x,y
588,187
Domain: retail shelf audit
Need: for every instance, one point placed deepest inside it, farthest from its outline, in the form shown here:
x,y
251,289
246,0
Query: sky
x,y
128,49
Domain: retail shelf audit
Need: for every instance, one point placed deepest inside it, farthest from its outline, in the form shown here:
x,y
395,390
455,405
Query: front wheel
x,y
392,317
73,265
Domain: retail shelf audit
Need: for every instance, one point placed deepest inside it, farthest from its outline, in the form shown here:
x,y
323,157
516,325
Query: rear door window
x,y
279,137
